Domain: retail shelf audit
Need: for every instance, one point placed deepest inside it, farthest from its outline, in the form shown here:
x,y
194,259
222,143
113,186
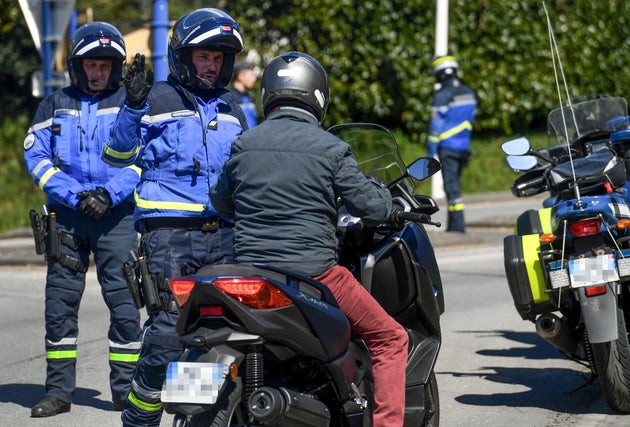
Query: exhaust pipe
x,y
270,406
556,330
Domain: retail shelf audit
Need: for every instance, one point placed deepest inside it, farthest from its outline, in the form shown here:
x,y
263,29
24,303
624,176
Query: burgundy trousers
x,y
386,339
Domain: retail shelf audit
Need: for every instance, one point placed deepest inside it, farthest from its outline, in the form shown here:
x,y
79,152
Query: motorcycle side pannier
x,y
525,275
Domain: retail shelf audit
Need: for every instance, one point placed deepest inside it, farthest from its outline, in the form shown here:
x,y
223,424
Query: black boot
x,y
50,406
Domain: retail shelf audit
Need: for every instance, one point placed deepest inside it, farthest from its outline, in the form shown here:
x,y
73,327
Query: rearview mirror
x,y
423,168
516,147
521,163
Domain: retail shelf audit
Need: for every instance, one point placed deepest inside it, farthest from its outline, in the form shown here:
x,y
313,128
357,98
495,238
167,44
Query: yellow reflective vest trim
x,y
49,173
454,131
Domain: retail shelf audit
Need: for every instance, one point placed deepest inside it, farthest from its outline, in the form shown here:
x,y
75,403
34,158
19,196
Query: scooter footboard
x,y
422,355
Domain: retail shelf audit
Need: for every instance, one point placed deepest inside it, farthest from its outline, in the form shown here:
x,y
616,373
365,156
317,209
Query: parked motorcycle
x,y
568,264
265,346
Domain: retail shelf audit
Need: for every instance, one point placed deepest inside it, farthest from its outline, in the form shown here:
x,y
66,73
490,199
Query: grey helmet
x,y
298,80
207,28
96,40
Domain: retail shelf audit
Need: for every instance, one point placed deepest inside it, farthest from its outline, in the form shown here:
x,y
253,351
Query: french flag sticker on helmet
x,y
105,41
226,28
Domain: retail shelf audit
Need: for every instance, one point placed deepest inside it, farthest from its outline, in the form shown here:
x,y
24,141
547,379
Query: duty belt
x,y
203,224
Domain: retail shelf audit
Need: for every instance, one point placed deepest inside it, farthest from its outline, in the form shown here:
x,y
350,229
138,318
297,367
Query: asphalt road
x,y
493,370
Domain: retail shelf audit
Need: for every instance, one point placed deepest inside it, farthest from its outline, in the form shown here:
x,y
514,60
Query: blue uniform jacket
x,y
62,149
180,143
452,115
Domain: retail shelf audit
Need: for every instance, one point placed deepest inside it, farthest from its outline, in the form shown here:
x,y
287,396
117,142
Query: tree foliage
x,y
378,52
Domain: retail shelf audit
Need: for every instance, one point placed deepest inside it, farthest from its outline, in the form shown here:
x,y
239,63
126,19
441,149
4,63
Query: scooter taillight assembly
x,y
181,288
255,292
589,227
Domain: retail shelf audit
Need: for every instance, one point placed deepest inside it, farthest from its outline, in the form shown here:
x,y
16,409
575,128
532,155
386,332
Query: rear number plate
x,y
593,270
192,382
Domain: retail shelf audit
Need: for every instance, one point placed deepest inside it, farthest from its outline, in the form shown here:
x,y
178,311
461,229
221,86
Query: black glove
x,y
95,203
394,216
137,84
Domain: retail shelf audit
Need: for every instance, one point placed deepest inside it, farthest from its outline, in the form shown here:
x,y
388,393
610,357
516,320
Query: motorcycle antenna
x,y
555,55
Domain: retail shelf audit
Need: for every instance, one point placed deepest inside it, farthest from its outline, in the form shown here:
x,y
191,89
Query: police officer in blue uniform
x,y
89,210
452,114
179,132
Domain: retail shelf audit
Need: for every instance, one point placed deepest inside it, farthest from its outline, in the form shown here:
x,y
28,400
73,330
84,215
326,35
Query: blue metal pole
x,y
46,49
160,26
72,25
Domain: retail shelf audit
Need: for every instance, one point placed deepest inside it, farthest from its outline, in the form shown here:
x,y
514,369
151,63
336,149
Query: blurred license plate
x,y
192,382
593,270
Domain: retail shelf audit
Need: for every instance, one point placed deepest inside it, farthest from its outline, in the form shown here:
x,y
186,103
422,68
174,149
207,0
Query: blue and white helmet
x,y
207,28
96,40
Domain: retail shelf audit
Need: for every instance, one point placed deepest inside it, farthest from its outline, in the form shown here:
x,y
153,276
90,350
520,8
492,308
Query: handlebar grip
x,y
413,216
417,217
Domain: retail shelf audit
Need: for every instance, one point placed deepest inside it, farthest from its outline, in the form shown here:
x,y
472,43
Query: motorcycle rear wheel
x,y
223,412
612,362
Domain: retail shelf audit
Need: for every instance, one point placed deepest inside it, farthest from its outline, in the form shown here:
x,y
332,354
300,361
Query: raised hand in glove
x,y
137,83
95,203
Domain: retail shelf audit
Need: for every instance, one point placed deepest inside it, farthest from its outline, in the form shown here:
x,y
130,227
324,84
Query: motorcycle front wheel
x,y
612,362
431,403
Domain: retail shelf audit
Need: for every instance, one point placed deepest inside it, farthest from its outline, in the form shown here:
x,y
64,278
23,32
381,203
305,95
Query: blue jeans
x,y
169,253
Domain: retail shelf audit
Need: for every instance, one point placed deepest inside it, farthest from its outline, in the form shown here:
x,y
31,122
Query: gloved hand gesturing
x,y
137,84
95,203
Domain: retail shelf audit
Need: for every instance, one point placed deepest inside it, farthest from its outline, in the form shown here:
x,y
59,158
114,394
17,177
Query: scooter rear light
x,y
595,290
255,292
181,288
590,227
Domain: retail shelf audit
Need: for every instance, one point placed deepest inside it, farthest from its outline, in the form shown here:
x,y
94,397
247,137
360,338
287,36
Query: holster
x,y
48,239
39,232
143,286
131,275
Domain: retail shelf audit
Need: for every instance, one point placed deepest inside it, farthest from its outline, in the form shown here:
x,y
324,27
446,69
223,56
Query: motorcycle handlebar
x,y
418,217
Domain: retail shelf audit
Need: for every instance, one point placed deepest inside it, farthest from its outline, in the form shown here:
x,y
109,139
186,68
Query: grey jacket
x,y
282,183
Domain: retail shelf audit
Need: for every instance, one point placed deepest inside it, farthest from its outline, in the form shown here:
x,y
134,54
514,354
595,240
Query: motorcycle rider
x,y
179,132
452,114
91,203
283,179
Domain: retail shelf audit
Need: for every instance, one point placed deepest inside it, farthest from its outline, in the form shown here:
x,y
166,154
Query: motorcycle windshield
x,y
586,115
375,149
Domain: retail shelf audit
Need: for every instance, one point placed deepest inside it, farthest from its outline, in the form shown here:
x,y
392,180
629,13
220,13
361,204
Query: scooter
x,y
568,264
265,346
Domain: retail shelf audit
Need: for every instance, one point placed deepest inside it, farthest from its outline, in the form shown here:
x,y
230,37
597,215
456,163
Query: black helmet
x,y
96,40
444,67
207,28
298,80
